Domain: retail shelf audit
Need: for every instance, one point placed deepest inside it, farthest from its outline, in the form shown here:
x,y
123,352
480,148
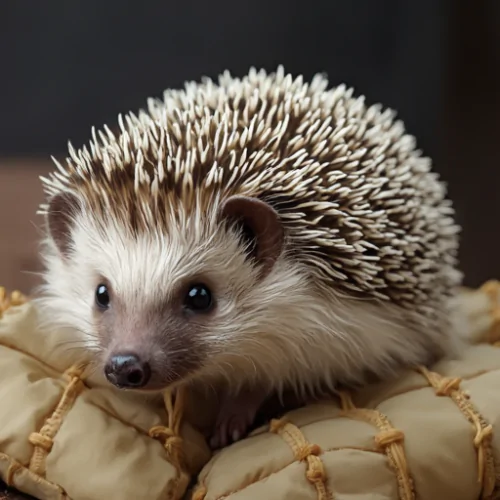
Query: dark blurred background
x,y
66,66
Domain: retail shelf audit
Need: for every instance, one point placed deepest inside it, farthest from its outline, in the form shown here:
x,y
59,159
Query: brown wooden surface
x,y
20,195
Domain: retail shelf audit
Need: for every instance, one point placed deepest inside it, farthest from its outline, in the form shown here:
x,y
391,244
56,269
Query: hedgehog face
x,y
163,306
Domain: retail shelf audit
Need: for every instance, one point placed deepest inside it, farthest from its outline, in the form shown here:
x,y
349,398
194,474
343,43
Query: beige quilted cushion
x,y
429,435
60,439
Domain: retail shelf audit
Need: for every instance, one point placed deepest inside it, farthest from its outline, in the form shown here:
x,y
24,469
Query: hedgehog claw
x,y
236,416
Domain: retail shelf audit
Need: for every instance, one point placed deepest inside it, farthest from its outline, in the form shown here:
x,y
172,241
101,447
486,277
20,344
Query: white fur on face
x,y
284,330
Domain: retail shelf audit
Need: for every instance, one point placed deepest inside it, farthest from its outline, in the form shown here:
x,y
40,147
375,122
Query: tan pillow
x,y
427,435
61,439
431,435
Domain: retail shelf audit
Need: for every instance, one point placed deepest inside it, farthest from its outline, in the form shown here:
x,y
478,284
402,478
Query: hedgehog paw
x,y
236,416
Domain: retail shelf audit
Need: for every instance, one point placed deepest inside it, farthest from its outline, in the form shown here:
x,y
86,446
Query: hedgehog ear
x,y
63,208
261,226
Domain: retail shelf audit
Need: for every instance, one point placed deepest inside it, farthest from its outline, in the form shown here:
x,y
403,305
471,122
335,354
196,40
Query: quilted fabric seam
x,y
389,439
304,451
43,440
15,467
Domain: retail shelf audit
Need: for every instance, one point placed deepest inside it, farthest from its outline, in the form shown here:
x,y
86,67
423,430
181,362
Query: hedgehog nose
x,y
127,371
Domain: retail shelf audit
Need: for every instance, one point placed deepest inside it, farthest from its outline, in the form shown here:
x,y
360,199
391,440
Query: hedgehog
x,y
254,235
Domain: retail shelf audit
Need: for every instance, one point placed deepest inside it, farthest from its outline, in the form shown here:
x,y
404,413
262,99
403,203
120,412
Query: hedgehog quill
x,y
256,235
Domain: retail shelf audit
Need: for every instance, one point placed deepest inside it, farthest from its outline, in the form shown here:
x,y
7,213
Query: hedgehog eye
x,y
102,296
198,298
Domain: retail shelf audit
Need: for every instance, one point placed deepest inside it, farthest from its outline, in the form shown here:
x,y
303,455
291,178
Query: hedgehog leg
x,y
236,415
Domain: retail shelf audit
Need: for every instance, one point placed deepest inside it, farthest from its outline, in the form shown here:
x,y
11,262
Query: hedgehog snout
x,y
127,370
152,358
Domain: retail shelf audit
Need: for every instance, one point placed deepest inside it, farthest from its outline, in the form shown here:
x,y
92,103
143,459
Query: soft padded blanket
x,y
431,434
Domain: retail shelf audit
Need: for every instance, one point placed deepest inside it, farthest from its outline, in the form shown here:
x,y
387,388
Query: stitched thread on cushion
x,y
390,439
43,440
15,467
304,451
